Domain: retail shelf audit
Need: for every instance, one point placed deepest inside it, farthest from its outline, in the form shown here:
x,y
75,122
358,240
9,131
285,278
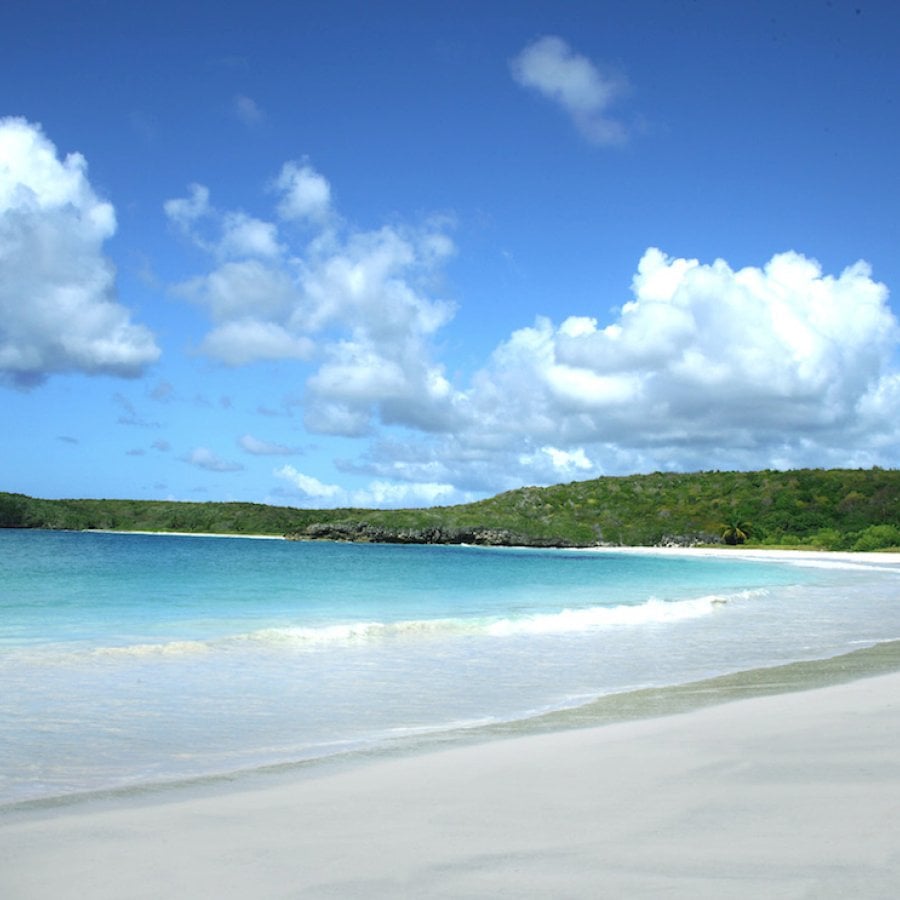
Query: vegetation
x,y
736,531
837,509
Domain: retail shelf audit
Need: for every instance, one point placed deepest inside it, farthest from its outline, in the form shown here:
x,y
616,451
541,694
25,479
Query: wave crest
x,y
652,611
566,621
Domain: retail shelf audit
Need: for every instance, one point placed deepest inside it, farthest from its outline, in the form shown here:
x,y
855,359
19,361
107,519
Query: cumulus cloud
x,y
550,67
379,494
357,305
244,236
58,300
305,194
706,366
185,211
755,365
563,462
309,488
249,340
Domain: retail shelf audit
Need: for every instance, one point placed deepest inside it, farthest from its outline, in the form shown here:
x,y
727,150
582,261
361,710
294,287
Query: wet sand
x,y
794,795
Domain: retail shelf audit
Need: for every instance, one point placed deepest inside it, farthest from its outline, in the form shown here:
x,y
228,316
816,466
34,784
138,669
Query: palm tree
x,y
735,531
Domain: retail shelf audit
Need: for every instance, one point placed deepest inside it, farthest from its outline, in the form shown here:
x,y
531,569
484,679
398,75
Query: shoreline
x,y
607,710
749,553
778,796
209,534
741,785
878,557
724,552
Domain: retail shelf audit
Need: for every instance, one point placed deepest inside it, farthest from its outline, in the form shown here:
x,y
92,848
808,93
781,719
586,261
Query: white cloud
x,y
264,448
802,346
247,340
379,493
550,67
393,494
204,458
306,195
568,460
704,356
240,235
58,301
243,289
185,211
551,465
308,486
356,304
706,367
245,236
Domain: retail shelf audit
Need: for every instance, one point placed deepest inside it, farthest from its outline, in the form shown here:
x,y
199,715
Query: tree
x,y
12,511
735,531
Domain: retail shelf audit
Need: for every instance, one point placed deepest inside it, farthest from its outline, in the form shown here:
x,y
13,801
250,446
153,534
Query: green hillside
x,y
830,509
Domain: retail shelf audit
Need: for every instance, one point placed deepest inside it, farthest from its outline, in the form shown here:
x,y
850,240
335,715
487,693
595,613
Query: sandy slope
x,y
796,795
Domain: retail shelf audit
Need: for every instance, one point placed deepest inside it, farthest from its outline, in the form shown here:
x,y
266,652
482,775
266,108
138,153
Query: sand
x,y
795,795
826,557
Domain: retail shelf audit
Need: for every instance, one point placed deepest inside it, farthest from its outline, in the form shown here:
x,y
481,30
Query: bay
x,y
128,660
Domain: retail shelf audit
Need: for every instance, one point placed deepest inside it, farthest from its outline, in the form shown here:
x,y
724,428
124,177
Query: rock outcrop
x,y
365,532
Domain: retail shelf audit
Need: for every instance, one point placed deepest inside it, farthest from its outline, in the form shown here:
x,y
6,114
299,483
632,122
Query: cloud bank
x,y
550,67
58,306
705,366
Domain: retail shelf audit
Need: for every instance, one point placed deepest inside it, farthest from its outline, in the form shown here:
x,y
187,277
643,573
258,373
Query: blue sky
x,y
404,253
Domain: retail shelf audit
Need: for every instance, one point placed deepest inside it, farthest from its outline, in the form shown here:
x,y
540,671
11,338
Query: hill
x,y
830,509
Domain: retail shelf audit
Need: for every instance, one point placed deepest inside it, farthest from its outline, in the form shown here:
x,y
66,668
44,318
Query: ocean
x,y
131,660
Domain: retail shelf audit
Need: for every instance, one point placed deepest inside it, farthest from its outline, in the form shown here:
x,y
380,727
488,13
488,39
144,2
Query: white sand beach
x,y
796,795
877,558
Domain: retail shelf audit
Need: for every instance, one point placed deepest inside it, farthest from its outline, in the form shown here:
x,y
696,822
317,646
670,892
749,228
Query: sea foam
x,y
652,611
334,635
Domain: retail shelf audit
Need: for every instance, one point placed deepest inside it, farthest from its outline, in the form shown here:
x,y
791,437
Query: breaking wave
x,y
319,637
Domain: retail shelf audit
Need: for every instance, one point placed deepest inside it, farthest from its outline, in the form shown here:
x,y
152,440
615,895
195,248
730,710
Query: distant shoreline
x,y
212,534
750,553
763,554
832,509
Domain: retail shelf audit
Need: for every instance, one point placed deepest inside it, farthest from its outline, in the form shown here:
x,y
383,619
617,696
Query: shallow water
x,y
128,660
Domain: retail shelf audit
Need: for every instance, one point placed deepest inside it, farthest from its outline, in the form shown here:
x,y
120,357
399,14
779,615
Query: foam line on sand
x,y
794,795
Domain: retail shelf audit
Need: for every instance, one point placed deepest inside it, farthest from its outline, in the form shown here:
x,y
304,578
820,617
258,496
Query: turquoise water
x,y
128,660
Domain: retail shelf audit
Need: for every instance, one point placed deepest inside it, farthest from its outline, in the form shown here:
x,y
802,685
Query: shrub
x,y
827,539
878,537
